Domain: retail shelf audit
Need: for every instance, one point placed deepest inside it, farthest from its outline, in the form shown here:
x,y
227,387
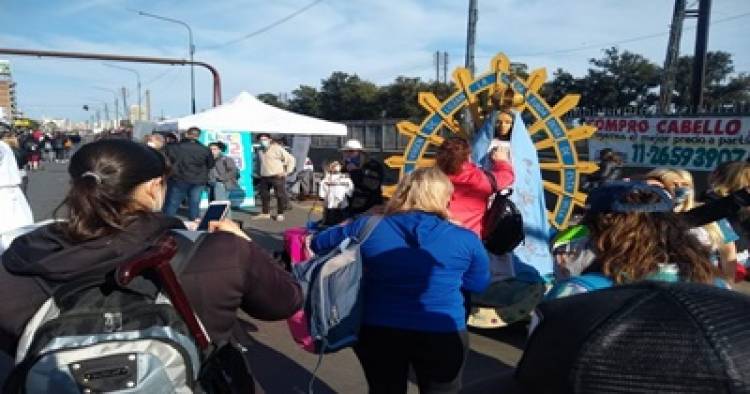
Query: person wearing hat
x,y
367,176
275,165
630,233
649,337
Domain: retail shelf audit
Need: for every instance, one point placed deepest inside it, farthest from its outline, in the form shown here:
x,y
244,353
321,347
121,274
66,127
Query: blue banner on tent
x,y
240,149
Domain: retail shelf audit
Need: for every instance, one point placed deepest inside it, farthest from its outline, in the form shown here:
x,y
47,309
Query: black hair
x,y
222,146
193,133
104,175
261,135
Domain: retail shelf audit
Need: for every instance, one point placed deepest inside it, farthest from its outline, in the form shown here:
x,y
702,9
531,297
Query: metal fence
x,y
734,108
375,135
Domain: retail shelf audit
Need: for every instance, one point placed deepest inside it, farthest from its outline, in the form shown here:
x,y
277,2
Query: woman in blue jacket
x,y
416,262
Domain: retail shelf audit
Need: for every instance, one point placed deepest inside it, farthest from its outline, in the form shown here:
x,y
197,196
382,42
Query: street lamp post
x,y
191,51
138,82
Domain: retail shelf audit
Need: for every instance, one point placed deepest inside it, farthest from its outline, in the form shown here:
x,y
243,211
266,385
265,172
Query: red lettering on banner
x,y
660,127
685,126
717,128
611,125
698,126
734,126
673,127
621,124
643,126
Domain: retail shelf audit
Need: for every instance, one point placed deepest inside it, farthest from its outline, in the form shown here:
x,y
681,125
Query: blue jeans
x,y
219,191
177,191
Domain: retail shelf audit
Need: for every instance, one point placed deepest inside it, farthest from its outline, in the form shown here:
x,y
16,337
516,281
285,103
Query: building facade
x,y
8,106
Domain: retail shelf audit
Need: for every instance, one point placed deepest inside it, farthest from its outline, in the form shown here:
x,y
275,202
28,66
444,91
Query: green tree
x,y
271,99
720,85
562,83
620,80
305,100
346,97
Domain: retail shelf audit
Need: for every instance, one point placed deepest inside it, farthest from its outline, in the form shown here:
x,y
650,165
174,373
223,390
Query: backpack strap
x,y
368,228
188,243
491,178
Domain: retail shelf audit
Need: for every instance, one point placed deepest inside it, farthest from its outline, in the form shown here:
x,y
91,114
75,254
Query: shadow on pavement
x,y
514,334
277,373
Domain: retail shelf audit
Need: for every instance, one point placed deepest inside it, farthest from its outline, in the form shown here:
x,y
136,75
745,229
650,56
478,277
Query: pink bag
x,y
296,246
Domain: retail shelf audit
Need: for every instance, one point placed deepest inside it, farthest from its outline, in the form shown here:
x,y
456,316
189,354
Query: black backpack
x,y
502,222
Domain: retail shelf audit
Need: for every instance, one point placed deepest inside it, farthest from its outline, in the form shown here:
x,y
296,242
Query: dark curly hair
x,y
452,154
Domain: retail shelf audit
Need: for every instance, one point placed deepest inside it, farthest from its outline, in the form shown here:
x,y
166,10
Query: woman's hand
x,y
501,153
228,226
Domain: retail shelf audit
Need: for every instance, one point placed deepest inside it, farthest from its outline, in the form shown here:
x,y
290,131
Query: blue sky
x,y
377,39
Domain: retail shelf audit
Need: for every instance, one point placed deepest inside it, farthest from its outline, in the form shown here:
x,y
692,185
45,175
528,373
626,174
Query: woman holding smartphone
x,y
112,214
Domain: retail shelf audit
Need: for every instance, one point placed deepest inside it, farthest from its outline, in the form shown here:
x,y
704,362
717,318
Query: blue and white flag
x,y
532,260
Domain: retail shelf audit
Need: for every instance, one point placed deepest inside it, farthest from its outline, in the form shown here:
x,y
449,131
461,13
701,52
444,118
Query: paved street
x,y
278,363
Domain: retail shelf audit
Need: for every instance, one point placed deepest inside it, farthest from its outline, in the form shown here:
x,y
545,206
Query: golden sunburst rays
x,y
554,140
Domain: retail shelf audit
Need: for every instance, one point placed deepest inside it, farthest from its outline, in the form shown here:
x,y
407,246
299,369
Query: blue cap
x,y
609,197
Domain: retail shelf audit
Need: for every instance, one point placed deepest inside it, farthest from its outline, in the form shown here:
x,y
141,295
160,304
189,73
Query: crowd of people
x,y
423,262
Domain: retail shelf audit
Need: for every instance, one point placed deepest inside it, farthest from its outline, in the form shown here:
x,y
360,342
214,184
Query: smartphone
x,y
217,210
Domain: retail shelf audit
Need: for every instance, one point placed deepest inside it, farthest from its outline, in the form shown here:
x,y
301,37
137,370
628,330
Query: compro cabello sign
x,y
697,143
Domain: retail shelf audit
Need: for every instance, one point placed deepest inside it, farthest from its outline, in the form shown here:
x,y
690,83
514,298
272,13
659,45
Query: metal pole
x,y
701,48
673,52
471,33
114,94
191,51
137,82
121,58
445,67
125,110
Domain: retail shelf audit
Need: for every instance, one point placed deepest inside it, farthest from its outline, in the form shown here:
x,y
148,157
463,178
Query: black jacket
x,y
367,181
244,277
190,161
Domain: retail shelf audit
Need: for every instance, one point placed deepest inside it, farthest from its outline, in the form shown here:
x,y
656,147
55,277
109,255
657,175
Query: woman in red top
x,y
471,185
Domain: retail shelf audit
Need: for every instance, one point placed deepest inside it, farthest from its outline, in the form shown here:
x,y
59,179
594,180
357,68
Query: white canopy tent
x,y
247,113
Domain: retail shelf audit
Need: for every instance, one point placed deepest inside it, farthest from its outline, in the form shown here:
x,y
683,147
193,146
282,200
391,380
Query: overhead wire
x,y
624,41
267,27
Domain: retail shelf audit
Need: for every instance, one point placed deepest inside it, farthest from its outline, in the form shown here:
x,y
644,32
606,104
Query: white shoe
x,y
279,218
262,216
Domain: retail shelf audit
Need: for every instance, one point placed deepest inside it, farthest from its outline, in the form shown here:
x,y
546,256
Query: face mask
x,y
681,194
352,160
265,143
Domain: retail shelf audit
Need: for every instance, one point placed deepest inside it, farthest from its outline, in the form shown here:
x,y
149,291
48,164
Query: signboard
x,y
240,149
692,143
4,67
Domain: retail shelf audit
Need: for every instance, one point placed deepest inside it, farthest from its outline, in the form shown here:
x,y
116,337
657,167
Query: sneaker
x,y
279,218
262,216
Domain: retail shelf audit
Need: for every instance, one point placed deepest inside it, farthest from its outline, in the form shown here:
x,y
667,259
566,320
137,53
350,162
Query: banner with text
x,y
693,143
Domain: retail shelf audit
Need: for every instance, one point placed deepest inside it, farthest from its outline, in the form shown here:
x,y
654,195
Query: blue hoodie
x,y
415,266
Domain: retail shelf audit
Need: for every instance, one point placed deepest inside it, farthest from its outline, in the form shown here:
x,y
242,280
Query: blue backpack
x,y
332,287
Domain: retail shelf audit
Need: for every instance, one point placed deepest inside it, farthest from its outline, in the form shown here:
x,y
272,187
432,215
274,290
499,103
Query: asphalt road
x,y
278,364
